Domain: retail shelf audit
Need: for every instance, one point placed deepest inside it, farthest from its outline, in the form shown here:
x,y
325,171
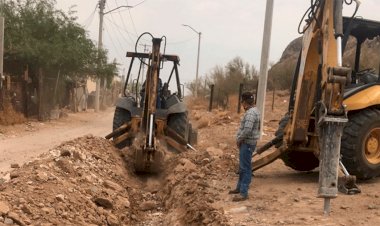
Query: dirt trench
x,y
86,181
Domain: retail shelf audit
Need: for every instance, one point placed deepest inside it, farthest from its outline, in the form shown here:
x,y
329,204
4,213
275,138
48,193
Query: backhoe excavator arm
x,y
317,118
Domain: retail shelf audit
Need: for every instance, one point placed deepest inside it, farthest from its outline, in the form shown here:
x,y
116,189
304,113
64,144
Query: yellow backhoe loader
x,y
333,120
152,120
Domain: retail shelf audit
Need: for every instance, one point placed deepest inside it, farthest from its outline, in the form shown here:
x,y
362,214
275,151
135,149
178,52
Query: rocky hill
x,y
283,70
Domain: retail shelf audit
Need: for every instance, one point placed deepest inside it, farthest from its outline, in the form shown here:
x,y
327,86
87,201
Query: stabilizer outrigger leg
x,y
347,183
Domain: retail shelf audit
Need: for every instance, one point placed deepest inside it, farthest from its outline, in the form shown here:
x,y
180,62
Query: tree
x,y
52,44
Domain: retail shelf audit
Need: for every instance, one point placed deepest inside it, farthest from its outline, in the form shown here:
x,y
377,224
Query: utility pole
x,y
102,4
199,48
196,75
264,62
1,45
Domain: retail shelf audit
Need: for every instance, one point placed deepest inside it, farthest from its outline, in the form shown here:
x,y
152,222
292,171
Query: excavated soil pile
x,y
8,116
87,181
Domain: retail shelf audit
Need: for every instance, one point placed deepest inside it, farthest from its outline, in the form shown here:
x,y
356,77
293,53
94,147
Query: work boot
x,y
239,198
234,192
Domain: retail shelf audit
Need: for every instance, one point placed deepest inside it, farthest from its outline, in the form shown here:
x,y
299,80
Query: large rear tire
x,y
120,117
178,123
360,146
297,160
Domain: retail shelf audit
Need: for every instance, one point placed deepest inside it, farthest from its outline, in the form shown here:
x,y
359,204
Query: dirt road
x,y
22,143
86,181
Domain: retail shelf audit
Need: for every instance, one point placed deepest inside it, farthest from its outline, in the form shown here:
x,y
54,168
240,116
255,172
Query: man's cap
x,y
247,96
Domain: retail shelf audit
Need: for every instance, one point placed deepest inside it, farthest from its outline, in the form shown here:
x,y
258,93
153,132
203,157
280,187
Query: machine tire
x,y
361,133
297,160
120,117
178,123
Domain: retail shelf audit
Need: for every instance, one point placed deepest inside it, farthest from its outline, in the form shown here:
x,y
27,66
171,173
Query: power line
x,y
122,19
130,15
114,45
181,42
121,34
113,19
90,18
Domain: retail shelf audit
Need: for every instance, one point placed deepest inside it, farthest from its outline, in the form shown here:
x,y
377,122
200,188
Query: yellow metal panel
x,y
363,99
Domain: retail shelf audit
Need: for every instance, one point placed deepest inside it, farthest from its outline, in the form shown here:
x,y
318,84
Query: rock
x,y
4,208
65,165
65,153
16,218
344,207
14,174
123,202
223,146
103,202
15,165
112,220
205,161
112,185
60,197
242,209
185,165
148,205
26,209
214,152
42,176
372,207
48,210
8,221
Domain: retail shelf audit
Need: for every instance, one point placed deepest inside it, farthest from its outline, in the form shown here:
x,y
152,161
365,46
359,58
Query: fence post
x,y
274,91
239,97
40,96
211,97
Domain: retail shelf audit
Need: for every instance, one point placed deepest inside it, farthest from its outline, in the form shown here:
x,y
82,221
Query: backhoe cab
x,y
157,121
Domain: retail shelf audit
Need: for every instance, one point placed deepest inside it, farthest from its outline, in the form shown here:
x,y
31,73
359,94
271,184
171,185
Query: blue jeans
x,y
245,168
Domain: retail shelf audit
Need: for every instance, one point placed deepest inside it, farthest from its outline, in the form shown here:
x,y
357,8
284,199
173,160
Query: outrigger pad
x,y
347,185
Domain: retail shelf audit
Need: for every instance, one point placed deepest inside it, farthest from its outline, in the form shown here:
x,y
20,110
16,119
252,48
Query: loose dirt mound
x,y
8,116
87,181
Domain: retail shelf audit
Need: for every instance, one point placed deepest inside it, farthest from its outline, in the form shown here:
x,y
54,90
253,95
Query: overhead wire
x,y
128,41
122,21
130,15
120,56
113,19
90,18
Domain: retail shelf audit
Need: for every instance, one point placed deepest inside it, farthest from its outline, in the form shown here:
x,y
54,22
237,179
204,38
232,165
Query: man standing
x,y
246,139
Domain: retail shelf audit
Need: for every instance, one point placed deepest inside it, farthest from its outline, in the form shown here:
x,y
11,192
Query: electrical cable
x,y
113,19
90,18
125,39
113,44
123,22
130,15
311,13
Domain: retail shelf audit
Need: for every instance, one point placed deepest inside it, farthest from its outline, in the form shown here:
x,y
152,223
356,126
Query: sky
x,y
228,28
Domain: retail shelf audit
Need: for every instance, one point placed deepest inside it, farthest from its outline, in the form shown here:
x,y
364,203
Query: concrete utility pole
x,y
1,51
102,4
1,44
264,62
199,48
